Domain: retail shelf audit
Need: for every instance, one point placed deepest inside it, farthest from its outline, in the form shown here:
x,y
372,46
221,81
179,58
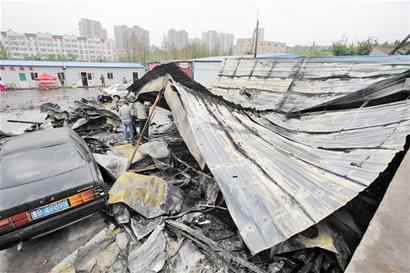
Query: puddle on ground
x,y
24,104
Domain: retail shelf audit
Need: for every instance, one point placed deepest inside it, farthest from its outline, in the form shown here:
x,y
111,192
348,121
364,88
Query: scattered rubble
x,y
280,175
243,178
151,255
115,165
85,119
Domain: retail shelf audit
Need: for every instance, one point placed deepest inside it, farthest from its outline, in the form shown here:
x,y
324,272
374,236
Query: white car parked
x,y
117,91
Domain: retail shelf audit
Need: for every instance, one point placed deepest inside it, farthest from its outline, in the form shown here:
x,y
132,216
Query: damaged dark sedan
x,y
48,180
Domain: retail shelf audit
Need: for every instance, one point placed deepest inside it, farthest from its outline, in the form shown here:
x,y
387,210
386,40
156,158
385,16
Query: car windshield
x,y
28,166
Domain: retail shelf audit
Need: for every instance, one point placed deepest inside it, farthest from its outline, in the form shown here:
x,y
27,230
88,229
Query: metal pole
x,y
401,44
256,36
143,130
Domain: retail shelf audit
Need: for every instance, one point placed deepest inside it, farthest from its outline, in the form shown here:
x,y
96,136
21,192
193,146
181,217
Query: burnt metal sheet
x,y
289,85
150,196
275,185
343,130
279,175
115,165
189,259
150,256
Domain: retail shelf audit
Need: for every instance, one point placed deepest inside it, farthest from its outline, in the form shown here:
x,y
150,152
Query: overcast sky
x,y
291,22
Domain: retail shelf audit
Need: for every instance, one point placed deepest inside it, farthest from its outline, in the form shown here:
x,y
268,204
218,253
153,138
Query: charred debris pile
x,y
277,168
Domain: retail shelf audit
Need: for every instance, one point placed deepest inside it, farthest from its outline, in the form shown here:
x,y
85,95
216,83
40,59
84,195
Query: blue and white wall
x,y
12,72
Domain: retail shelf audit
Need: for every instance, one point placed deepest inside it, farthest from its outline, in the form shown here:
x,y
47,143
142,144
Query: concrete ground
x,y
385,246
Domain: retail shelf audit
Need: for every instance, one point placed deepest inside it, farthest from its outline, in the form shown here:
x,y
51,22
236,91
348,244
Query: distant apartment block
x,y
210,40
131,40
245,46
177,39
91,29
225,43
46,46
218,43
125,35
261,34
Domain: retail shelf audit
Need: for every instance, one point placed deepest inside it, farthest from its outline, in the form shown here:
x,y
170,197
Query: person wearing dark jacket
x,y
102,80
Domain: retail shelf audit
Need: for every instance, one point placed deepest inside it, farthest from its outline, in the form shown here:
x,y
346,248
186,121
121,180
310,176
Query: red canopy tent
x,y
46,81
46,77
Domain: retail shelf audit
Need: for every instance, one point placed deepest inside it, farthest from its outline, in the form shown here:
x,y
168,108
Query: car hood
x,y
115,91
28,196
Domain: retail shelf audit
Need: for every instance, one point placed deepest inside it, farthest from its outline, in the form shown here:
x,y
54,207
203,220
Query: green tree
x,y
4,54
70,57
365,47
315,52
52,57
340,48
34,58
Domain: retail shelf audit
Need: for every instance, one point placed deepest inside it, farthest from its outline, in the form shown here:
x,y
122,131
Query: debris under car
x,y
278,168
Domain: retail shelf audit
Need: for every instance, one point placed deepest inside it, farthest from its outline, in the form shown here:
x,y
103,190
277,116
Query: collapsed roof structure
x,y
289,141
294,84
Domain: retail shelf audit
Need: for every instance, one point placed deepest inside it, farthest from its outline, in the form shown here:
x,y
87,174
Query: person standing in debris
x,y
124,80
102,80
127,123
133,111
142,114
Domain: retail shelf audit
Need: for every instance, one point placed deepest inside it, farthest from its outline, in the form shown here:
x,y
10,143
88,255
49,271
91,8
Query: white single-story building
x,y
22,73
206,70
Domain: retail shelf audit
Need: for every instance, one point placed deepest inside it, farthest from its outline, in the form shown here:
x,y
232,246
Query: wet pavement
x,y
41,254
24,104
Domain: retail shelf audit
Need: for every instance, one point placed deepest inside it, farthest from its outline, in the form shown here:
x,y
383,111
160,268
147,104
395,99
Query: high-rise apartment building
x,y
210,40
177,39
217,43
91,29
131,40
261,34
225,43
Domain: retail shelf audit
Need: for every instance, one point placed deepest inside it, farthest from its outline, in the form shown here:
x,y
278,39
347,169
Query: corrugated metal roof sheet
x,y
288,85
278,180
68,64
261,56
281,175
